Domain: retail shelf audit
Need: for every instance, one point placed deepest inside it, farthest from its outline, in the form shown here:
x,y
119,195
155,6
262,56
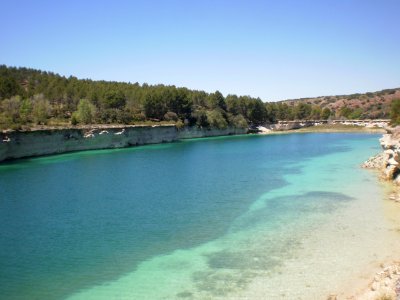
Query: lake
x,y
269,217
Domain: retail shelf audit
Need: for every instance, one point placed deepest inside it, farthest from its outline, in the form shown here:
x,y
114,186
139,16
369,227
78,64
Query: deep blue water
x,y
77,220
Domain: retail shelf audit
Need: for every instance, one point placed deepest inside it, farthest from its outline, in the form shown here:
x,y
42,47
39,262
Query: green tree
x,y
180,103
284,112
86,112
41,109
114,99
356,114
326,113
217,100
302,111
9,87
154,106
272,112
316,112
10,112
395,112
257,113
199,117
216,119
232,104
238,121
345,112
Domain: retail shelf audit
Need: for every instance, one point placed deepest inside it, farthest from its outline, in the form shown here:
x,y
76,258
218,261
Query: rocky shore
x,y
388,161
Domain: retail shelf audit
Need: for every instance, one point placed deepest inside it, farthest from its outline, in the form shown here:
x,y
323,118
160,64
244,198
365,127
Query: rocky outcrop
x,y
389,160
375,162
19,144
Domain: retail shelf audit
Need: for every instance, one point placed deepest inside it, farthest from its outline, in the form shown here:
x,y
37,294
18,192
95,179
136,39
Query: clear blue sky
x,y
269,49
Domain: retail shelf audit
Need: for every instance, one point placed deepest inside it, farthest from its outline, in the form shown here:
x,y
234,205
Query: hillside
x,y
372,105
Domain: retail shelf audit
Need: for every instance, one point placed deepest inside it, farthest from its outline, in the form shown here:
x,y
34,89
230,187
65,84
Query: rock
x,y
390,171
392,161
332,297
375,286
377,278
389,151
387,282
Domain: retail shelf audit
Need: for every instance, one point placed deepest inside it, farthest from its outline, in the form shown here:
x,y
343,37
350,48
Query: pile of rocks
x,y
389,160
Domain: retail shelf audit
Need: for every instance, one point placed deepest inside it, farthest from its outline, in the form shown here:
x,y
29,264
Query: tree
x,y
326,113
302,111
180,103
154,107
232,104
217,100
257,114
114,99
10,112
272,112
395,112
9,87
199,117
345,112
238,121
216,119
41,109
284,112
86,112
316,113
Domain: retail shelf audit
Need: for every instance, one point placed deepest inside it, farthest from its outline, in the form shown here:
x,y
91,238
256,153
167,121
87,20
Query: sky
x,y
274,50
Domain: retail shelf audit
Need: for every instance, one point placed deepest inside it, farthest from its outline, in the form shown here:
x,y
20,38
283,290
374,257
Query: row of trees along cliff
x,y
30,97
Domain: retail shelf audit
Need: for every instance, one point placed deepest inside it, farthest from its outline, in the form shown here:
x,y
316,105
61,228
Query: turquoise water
x,y
199,219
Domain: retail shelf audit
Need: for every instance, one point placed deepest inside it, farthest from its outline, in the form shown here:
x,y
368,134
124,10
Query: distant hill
x,y
373,105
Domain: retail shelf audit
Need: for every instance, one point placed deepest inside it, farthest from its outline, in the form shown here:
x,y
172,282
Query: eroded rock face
x,y
52,141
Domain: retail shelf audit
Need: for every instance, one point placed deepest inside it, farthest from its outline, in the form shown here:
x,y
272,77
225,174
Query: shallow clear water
x,y
201,219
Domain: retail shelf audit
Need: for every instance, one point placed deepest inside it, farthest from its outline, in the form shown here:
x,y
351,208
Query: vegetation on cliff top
x,y
31,97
